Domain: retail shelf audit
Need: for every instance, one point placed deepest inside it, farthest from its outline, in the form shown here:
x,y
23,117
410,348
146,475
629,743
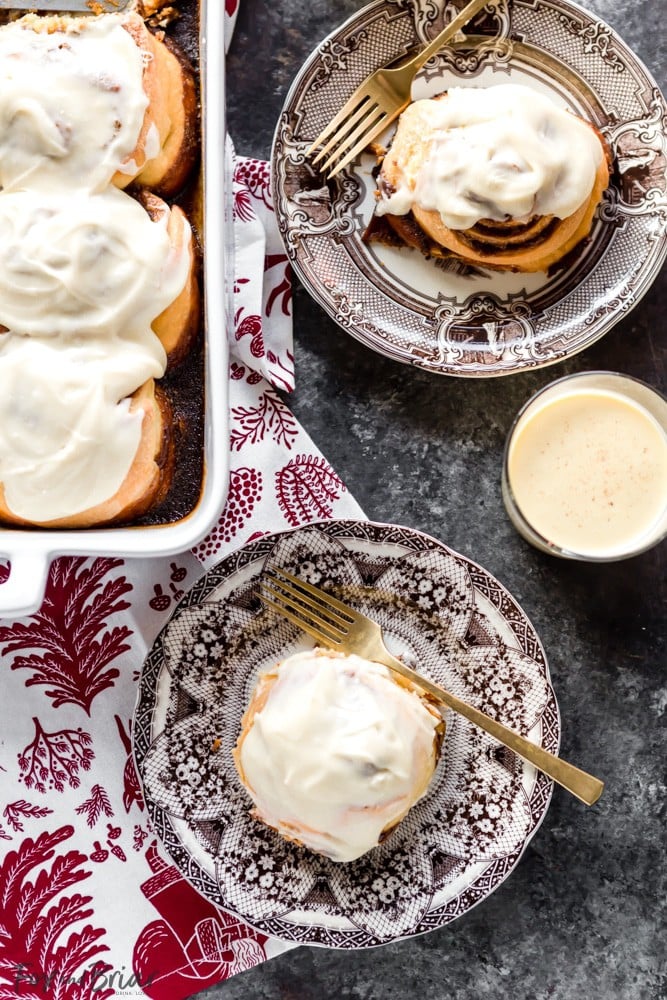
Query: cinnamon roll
x,y
334,750
497,177
89,101
74,264
80,445
99,289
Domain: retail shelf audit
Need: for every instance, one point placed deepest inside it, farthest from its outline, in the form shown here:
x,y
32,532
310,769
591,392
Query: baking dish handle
x,y
23,592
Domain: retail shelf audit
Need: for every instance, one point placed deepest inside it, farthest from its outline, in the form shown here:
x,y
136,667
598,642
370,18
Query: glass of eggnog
x,y
585,467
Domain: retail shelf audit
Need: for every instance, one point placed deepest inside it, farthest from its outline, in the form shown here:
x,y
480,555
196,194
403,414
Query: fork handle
x,y
584,786
452,28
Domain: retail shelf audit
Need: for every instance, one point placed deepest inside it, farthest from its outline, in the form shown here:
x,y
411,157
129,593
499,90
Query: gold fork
x,y
337,626
377,101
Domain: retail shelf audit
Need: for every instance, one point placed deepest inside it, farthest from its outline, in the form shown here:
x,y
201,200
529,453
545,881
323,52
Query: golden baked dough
x,y
173,109
178,325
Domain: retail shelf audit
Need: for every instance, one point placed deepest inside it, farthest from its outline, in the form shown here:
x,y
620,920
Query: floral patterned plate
x,y
445,614
444,317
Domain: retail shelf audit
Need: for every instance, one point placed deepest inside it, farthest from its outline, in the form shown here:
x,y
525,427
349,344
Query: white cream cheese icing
x,y
588,470
79,264
495,153
72,103
336,753
67,438
84,269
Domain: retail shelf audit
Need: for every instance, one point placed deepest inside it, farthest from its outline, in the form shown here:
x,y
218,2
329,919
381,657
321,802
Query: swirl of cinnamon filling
x,y
498,177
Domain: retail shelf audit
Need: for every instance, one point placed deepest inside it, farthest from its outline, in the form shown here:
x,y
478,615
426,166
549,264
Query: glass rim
x,y
542,542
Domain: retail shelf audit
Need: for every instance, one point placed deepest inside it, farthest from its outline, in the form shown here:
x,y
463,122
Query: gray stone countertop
x,y
584,913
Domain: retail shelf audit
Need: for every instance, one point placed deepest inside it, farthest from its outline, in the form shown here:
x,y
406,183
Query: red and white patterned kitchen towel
x,y
90,907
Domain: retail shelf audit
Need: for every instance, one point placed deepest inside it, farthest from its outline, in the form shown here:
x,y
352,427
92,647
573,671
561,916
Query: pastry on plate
x,y
77,265
79,445
84,101
334,750
498,177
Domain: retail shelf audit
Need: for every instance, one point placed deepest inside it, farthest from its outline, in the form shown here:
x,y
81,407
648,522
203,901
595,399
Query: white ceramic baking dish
x,y
31,550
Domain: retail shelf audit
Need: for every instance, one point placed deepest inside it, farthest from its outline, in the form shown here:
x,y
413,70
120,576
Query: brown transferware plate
x,y
446,615
442,316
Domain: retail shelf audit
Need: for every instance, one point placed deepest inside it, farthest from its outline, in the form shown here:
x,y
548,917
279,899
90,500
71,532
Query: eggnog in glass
x,y
585,467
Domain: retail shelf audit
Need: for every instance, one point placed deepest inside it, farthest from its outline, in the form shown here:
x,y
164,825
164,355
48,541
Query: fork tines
x,y
348,134
340,126
297,601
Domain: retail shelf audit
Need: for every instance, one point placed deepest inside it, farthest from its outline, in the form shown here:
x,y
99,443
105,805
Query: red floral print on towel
x,y
53,760
245,492
71,631
270,418
95,901
307,488
45,952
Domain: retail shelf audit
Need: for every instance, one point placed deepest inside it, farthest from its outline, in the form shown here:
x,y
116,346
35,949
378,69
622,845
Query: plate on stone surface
x,y
458,843
440,316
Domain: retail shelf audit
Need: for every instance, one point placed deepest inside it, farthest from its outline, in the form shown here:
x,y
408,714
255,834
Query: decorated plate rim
x,y
167,829
531,348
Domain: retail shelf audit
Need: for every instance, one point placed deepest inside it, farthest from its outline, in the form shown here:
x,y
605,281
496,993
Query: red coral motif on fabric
x,y
269,418
71,629
53,760
243,210
42,956
193,945
16,812
97,805
245,492
306,489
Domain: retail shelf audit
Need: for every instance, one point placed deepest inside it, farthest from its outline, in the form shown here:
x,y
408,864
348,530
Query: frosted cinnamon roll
x,y
498,177
84,101
80,444
334,751
78,265
178,324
